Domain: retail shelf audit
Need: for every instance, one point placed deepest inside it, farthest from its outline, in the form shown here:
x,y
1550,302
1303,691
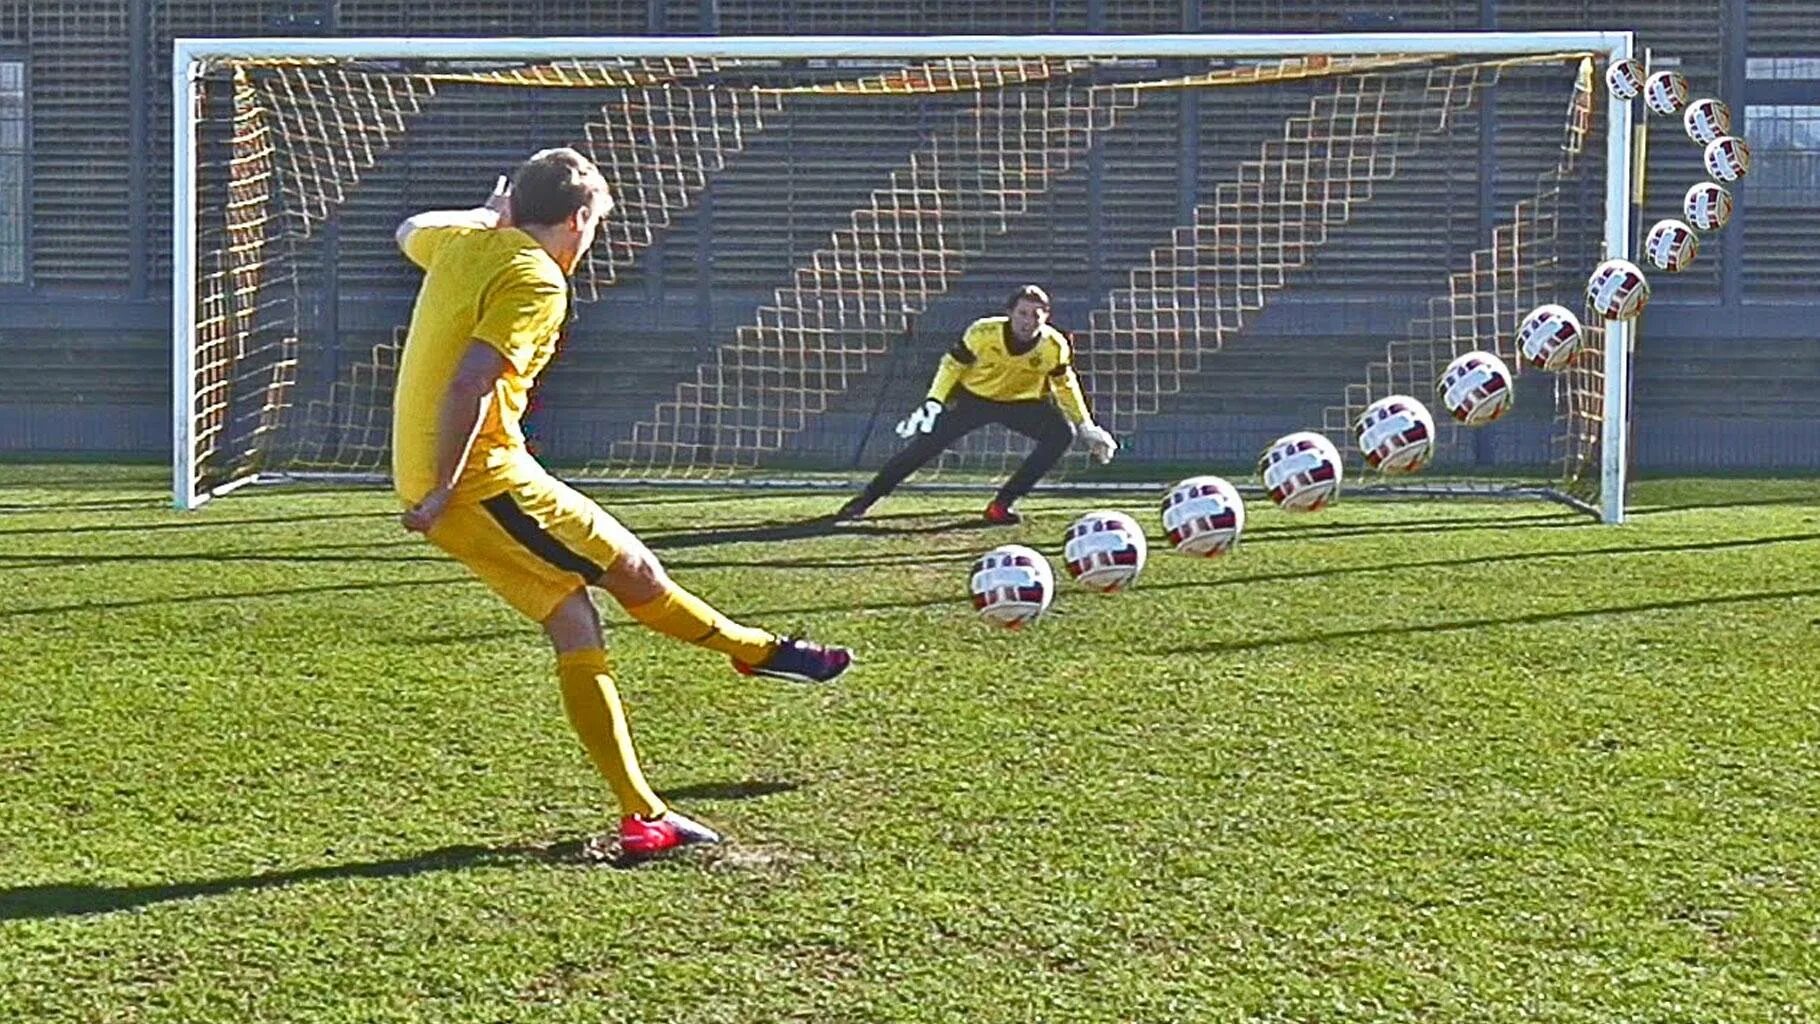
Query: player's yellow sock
x,y
592,701
688,618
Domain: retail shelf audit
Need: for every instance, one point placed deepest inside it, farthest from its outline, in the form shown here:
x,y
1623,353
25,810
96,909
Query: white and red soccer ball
x,y
1396,434
1104,551
1671,245
1728,158
1624,78
1665,91
1012,586
1203,516
1706,120
1301,471
1476,388
1549,336
1617,290
1707,206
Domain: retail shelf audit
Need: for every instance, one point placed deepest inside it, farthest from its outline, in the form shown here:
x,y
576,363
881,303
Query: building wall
x,y
1723,374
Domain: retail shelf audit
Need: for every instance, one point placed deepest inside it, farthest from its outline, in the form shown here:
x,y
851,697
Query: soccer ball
x,y
1624,78
1727,158
1477,388
1549,336
1204,516
1012,586
1301,471
1617,290
1104,551
1707,206
1671,245
1706,120
1665,91
1396,434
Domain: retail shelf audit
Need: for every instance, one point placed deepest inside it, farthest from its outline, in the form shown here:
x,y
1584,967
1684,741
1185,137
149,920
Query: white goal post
x,y
194,59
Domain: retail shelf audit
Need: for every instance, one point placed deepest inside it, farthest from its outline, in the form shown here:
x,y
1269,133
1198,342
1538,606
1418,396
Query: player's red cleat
x,y
1000,514
640,837
802,661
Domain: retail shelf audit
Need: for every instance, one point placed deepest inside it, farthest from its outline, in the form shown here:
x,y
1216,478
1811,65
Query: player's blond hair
x,y
553,184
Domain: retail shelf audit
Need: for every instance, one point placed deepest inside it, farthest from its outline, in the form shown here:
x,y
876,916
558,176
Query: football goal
x,y
1246,235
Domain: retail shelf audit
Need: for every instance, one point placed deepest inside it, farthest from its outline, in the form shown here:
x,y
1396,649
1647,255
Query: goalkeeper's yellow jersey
x,y
989,363
496,286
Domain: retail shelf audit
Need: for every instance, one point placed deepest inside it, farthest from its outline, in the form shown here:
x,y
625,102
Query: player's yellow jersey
x,y
989,363
496,286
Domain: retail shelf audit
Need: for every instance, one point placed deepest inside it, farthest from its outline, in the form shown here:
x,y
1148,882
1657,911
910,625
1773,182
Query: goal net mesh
x,y
1238,248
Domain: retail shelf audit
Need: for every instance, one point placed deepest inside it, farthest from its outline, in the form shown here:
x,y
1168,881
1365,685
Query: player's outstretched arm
x,y
495,212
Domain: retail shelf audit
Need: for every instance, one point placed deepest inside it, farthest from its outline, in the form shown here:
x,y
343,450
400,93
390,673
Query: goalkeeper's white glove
x,y
1099,442
921,421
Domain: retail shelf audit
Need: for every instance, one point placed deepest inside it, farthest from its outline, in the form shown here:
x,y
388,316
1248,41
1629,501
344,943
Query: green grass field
x,y
278,760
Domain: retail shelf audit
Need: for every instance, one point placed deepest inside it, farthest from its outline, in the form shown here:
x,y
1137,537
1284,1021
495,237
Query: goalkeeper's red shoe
x,y
802,661
999,513
641,837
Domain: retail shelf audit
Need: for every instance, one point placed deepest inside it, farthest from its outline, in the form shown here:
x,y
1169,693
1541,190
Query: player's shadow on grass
x,y
831,562
28,902
31,902
797,529
609,501
735,533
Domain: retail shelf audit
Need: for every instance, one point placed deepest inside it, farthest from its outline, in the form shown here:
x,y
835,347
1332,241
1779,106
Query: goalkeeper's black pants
x,y
966,412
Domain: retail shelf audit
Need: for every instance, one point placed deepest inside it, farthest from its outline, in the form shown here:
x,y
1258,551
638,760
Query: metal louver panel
x,y
1779,27
845,17
1338,15
171,19
80,182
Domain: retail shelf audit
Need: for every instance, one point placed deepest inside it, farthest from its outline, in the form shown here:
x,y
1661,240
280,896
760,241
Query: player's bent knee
x,y
636,577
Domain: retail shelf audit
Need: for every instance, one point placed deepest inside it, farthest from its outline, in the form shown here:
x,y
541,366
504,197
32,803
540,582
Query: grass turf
x,y
278,760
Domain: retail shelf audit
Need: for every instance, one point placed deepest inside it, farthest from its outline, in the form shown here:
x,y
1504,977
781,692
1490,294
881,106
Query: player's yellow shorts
x,y
534,544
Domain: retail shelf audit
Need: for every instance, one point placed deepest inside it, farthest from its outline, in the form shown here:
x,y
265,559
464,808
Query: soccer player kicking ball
x,y
1004,370
487,321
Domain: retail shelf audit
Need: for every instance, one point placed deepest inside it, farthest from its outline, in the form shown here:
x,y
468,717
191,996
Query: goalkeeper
x,y
1005,369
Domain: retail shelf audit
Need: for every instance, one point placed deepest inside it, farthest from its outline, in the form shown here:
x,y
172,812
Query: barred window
x,y
1782,126
12,172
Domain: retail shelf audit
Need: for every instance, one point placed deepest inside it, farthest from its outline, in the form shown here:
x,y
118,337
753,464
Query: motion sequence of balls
x,y
1104,551
1203,516
1673,243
